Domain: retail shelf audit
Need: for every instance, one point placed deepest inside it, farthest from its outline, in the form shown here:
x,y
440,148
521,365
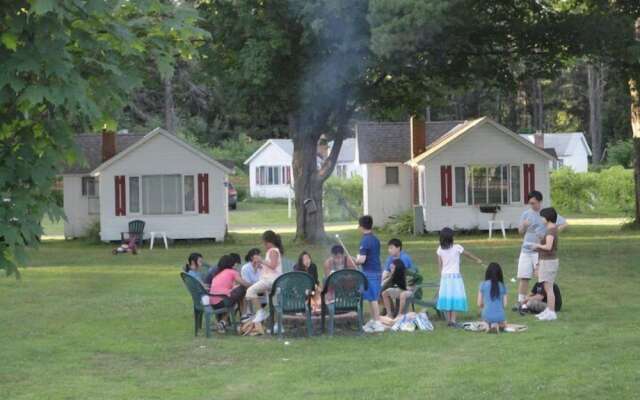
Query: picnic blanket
x,y
482,326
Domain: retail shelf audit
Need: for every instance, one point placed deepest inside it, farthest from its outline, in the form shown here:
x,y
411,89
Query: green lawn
x,y
83,324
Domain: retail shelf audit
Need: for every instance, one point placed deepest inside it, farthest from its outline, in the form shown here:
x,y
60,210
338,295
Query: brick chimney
x,y
418,136
538,139
108,144
418,130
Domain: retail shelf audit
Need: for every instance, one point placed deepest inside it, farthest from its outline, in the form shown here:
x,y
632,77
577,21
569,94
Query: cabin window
x,y
392,175
341,171
461,185
89,186
189,193
134,194
515,184
489,185
272,175
162,194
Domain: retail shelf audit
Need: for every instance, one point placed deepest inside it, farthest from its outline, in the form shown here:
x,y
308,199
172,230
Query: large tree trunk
x,y
596,83
309,178
169,107
537,105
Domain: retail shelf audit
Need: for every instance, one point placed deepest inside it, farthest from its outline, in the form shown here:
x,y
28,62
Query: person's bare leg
x,y
255,303
523,287
551,297
386,299
403,300
453,317
375,310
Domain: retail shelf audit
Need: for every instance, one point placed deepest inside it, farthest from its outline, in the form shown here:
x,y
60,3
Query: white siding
x,y
272,155
382,201
161,155
76,207
578,160
483,145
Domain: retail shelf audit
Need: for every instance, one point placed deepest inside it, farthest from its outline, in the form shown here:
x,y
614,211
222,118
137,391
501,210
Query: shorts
x,y
526,264
395,292
548,271
234,297
374,286
259,288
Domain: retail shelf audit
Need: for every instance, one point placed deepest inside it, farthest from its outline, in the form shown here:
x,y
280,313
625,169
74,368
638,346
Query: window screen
x,y
392,175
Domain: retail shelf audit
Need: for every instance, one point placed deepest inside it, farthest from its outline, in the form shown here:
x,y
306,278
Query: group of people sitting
x,y
393,285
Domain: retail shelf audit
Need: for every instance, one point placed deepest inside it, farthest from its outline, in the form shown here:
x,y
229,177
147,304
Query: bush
x,y
343,198
92,234
607,191
620,153
400,224
237,149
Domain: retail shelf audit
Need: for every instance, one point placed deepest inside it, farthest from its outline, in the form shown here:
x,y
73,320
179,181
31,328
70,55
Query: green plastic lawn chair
x,y
197,291
136,229
342,293
419,299
291,294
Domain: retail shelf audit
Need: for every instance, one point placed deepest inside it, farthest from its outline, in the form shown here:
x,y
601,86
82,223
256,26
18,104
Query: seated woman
x,y
492,298
269,269
395,287
227,282
305,264
193,266
337,261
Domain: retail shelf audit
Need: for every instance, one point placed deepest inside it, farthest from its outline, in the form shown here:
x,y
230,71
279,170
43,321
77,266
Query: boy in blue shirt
x,y
369,259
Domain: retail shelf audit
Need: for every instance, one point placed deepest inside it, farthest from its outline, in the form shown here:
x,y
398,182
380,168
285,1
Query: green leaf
x,y
9,40
41,7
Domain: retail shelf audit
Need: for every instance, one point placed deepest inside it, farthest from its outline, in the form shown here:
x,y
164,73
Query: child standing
x,y
492,298
369,259
451,296
548,262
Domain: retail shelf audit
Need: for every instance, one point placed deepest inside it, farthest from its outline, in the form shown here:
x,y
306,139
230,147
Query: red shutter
x,y
529,177
443,185
287,170
121,196
203,193
446,190
449,186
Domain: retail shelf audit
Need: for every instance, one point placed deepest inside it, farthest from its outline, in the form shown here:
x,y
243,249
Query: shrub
x,y
401,224
92,234
620,153
236,149
343,198
606,191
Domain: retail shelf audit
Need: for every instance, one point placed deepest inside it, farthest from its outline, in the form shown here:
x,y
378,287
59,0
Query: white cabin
x,y
270,173
158,178
572,149
459,173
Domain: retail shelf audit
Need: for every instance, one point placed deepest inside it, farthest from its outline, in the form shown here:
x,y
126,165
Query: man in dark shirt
x,y
537,301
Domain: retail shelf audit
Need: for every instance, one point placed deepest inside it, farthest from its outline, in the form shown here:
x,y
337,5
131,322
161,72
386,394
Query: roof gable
x,y
461,129
285,145
156,132
565,144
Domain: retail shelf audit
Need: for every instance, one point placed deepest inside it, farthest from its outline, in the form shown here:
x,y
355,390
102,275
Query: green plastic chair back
x,y
196,290
292,292
345,288
136,227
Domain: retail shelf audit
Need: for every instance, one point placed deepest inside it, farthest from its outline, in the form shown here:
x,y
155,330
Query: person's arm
x,y
548,244
562,223
471,256
523,225
480,302
274,260
327,267
361,259
349,263
241,281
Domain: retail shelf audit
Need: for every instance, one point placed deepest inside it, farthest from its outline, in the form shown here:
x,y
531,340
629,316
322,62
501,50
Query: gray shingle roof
x,y
380,142
90,147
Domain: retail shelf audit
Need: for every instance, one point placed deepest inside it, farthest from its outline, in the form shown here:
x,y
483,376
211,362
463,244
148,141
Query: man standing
x,y
533,228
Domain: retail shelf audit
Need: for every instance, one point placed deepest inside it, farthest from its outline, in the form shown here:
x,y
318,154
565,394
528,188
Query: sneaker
x,y
275,329
549,316
261,315
542,314
246,318
377,327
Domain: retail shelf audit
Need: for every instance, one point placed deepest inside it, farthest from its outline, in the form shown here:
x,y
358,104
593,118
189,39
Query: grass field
x,y
83,324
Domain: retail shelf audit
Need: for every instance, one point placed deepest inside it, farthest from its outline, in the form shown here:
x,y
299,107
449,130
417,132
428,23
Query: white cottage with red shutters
x,y
461,173
158,178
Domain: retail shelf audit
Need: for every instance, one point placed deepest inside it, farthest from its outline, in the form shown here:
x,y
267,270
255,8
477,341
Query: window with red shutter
x,y
446,190
120,195
203,193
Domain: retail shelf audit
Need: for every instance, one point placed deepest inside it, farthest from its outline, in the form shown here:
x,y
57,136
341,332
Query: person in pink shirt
x,y
227,282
